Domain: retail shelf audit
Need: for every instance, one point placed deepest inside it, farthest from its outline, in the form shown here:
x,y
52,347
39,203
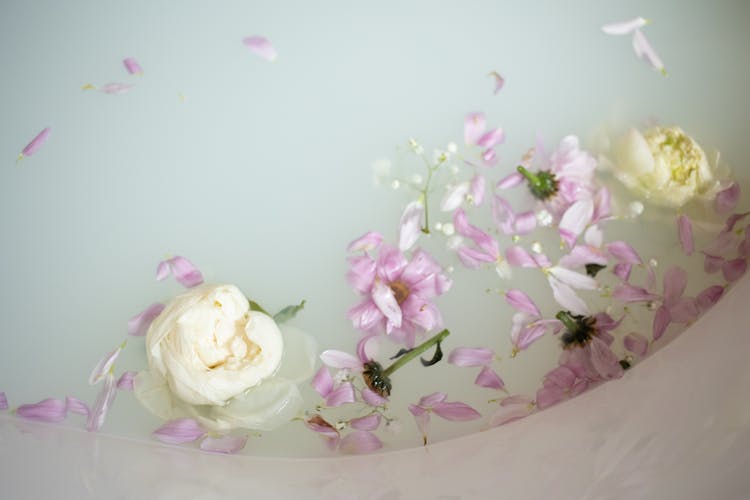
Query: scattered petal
x,y
138,324
132,66
684,310
624,27
507,414
575,219
454,196
366,423
567,298
322,381
360,442
477,189
675,282
636,343
622,271
646,52
114,88
510,181
410,226
104,365
623,252
181,430
519,257
522,302
709,297
490,379
340,359
385,300
491,139
125,382
183,270
603,360
36,143
75,405
734,269
103,402
576,280
431,399
549,396
470,356
712,264
631,293
223,444
499,81
372,398
48,410
341,395
662,318
455,411
261,46
727,199
474,124
527,335
366,242
685,234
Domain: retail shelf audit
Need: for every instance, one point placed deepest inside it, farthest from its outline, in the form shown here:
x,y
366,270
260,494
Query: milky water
x,y
261,173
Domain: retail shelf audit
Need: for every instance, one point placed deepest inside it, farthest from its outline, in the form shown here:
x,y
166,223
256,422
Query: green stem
x,y
570,323
532,178
415,352
425,193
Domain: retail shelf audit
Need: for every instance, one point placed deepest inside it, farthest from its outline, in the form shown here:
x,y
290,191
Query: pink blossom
x,y
397,293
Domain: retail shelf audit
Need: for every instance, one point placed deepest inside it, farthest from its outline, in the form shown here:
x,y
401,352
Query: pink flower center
x,y
400,291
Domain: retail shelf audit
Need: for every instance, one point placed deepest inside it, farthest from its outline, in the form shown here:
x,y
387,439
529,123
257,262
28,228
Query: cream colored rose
x,y
213,359
665,166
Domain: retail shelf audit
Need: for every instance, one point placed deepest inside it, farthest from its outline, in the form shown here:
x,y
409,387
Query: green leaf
x,y
288,312
254,306
435,358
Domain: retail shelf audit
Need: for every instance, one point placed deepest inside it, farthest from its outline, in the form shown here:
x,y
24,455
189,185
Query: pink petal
x,y
473,258
528,335
479,237
636,343
36,143
185,272
623,252
712,264
519,301
477,189
489,157
727,199
104,365
492,138
364,352
734,269
104,400
675,282
499,81
455,411
48,410
75,405
685,234
3,401
366,423
605,361
454,196
562,377
662,318
125,382
549,396
734,219
474,124
684,310
602,205
261,47
516,399
722,244
519,257
646,52
622,271
116,88
383,297
624,27
366,242
132,66
432,399
410,226
319,425
525,222
576,280
366,316
223,444
510,181
322,381
360,442
181,430
575,219
341,360
162,270
361,273
709,297
567,298
372,398
581,255
631,293
470,356
138,324
490,379
508,414
343,394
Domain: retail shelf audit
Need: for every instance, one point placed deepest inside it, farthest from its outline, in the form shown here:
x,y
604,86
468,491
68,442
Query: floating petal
x,y
631,293
105,364
125,382
685,234
75,405
684,310
474,124
181,430
519,257
223,444
510,181
712,264
366,423
343,394
340,360
454,196
47,410
490,379
662,318
727,199
624,27
410,226
622,271
383,297
360,442
261,47
567,298
708,297
576,280
491,139
636,343
103,402
322,382
499,81
132,66
116,88
507,414
36,143
366,242
675,282
477,189
646,52
138,324
623,252
455,411
470,356
519,301
734,269
575,219
372,398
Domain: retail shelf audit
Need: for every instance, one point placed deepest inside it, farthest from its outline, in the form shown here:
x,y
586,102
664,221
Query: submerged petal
x,y
470,356
223,444
261,47
636,343
178,431
646,52
103,402
47,410
358,442
685,234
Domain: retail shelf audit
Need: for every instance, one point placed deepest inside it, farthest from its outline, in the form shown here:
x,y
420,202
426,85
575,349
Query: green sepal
x,y
288,312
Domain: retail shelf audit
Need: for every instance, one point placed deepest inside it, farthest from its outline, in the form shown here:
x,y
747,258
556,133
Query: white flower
x,y
665,166
212,359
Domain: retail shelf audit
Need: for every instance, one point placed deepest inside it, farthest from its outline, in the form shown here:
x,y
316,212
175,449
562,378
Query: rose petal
x,y
341,360
125,382
372,398
341,395
3,401
734,269
138,324
410,226
223,444
470,356
104,365
178,431
261,46
685,234
636,343
624,27
455,411
47,410
75,405
454,196
709,297
646,52
359,442
519,301
366,423
36,143
132,66
727,199
662,318
490,379
366,242
623,252
104,400
474,124
499,81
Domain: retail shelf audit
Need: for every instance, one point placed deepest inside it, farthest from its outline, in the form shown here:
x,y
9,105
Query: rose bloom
x,y
212,359
665,166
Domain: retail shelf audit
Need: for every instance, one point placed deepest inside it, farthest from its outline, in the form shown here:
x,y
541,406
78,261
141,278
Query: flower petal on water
x,y
470,356
632,293
712,264
499,81
372,398
623,252
138,324
261,46
132,66
223,444
125,382
358,442
322,382
455,411
684,310
646,52
709,297
410,226
636,343
114,88
366,423
519,257
624,27
489,378
178,431
734,269
47,410
477,189
567,298
622,271
685,234
491,138
342,394
474,124
383,297
454,196
340,360
366,242
75,405
675,283
103,366
575,219
520,301
185,272
574,279
102,404
727,199
510,181
662,318
36,143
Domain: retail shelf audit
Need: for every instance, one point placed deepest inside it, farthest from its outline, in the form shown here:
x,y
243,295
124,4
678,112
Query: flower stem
x,y
532,178
425,192
570,323
415,352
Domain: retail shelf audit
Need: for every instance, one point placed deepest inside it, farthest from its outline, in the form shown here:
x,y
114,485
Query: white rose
x,y
665,166
212,359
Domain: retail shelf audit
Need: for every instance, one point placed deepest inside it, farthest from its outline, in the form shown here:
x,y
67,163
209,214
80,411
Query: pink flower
x,y
397,293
